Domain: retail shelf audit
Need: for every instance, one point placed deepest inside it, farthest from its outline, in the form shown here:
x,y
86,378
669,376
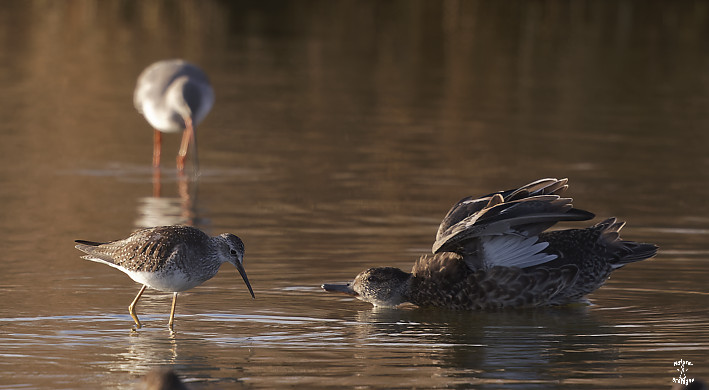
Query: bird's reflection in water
x,y
157,210
143,353
497,345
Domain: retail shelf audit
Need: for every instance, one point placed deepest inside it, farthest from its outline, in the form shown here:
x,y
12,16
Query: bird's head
x,y
236,256
383,286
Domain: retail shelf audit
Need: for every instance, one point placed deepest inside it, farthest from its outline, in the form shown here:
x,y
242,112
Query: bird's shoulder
x,y
447,266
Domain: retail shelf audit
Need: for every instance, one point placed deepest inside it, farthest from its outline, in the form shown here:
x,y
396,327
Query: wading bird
x,y
174,96
168,258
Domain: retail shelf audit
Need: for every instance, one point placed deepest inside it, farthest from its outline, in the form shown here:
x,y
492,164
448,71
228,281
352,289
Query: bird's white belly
x,y
162,119
172,281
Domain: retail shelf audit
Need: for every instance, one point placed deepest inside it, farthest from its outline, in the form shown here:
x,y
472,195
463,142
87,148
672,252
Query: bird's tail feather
x,y
625,252
89,243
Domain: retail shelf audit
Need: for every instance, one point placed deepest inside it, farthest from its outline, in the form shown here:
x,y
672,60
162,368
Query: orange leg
x,y
157,187
187,137
157,141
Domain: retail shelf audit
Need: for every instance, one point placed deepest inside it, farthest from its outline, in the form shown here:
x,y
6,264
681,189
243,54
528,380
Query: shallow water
x,y
342,133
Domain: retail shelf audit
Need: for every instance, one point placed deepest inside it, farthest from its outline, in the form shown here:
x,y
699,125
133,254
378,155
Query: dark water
x,y
342,133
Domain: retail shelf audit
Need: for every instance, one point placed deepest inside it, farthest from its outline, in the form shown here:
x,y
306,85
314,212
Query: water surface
x,y
342,133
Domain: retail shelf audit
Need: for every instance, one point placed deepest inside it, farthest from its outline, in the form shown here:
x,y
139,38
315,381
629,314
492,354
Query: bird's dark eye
x,y
233,251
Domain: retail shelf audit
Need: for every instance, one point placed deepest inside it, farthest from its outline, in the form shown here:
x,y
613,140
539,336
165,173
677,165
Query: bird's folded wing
x,y
512,287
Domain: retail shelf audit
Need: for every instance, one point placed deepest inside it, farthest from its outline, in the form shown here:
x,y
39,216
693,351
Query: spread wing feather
x,y
502,228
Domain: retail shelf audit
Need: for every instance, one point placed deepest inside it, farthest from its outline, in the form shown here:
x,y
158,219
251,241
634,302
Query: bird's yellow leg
x,y
131,308
172,312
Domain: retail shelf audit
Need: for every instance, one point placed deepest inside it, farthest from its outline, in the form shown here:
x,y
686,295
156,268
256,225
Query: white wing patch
x,y
513,251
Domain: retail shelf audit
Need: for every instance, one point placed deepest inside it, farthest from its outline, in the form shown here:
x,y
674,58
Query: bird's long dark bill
x,y
242,271
339,288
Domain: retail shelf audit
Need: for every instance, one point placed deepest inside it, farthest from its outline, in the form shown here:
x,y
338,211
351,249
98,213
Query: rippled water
x,y
341,135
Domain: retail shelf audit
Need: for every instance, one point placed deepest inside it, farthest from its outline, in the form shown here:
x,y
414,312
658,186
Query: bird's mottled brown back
x,y
150,249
